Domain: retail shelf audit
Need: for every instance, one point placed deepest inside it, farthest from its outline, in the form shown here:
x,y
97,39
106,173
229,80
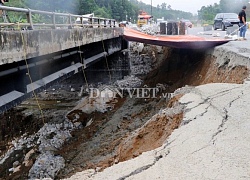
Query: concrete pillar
x,y
162,28
182,28
172,28
175,28
169,28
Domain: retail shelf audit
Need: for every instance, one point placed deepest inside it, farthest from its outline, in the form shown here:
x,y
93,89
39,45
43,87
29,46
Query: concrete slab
x,y
11,96
9,100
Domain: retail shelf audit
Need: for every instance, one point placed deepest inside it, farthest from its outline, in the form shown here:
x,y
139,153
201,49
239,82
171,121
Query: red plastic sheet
x,y
175,41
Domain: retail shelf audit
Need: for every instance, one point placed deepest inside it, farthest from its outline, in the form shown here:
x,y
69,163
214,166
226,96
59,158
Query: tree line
x,y
224,6
126,9
116,9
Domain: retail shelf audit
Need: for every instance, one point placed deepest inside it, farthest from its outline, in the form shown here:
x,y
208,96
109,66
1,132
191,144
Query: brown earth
x,y
152,135
109,140
192,68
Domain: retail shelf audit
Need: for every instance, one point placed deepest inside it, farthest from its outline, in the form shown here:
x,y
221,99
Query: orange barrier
x,y
175,41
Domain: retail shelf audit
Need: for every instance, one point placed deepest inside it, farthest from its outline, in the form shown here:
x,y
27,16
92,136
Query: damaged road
x,y
195,135
213,145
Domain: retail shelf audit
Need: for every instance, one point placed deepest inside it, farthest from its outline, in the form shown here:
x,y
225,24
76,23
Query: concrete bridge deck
x,y
19,45
33,56
42,54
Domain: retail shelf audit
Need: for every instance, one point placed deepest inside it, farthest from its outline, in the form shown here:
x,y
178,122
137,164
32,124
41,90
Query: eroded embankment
x,y
133,125
188,67
153,133
175,69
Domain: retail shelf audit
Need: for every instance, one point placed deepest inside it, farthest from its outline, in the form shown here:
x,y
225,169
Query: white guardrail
x,y
52,20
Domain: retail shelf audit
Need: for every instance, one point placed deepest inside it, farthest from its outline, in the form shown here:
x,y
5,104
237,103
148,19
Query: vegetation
x,y
233,6
116,9
163,10
124,9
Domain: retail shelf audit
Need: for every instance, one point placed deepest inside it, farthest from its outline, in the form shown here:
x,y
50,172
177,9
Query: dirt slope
x,y
125,132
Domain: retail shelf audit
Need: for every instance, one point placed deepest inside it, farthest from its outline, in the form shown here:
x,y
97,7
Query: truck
x,y
84,19
143,18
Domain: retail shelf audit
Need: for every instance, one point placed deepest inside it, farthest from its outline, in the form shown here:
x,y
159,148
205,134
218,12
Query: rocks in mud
x,y
129,82
18,144
152,30
142,58
48,139
52,136
136,47
46,166
15,164
18,168
78,125
100,100
27,159
140,65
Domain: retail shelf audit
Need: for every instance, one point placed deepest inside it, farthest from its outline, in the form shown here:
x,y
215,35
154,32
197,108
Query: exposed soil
x,y
151,136
193,68
123,132
178,68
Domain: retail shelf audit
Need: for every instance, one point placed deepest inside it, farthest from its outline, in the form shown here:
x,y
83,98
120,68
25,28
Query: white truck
x,y
84,19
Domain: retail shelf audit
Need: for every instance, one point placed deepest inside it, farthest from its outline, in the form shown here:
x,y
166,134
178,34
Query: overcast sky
x,y
185,5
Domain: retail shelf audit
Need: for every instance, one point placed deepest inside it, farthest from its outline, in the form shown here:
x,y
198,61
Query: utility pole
x,y
151,13
151,8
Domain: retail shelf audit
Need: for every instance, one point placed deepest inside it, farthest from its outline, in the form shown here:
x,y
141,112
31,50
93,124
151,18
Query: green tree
x,y
208,13
164,6
87,6
232,5
102,12
116,9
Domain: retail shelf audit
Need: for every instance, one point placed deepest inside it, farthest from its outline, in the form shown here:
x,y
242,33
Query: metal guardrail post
x,y
110,23
105,23
98,22
70,22
54,20
29,19
81,21
93,21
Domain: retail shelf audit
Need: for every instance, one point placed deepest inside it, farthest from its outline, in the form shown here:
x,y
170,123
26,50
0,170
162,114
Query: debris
x,y
233,37
216,34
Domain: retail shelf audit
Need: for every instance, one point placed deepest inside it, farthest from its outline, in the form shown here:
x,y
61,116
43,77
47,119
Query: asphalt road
x,y
233,45
200,32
